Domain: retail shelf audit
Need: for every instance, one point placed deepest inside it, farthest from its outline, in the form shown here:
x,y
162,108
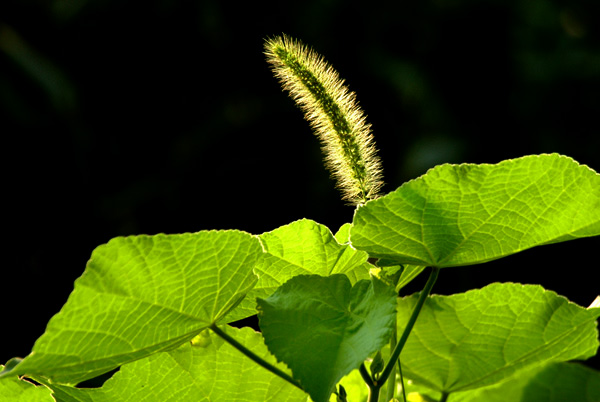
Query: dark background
x,y
126,117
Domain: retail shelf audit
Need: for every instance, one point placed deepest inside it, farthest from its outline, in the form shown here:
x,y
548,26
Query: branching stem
x,y
258,360
375,385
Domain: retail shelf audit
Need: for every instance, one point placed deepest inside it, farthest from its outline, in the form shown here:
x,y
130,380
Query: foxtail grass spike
x,y
334,115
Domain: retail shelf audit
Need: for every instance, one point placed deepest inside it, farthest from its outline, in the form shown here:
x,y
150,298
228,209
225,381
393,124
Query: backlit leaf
x,y
558,382
468,214
15,389
483,336
140,295
214,372
303,247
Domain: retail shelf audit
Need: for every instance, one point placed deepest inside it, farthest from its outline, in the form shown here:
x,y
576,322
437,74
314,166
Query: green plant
x,y
330,316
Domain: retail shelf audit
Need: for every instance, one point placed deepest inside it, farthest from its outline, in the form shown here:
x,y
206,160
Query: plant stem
x,y
374,387
409,326
392,383
258,360
444,396
402,381
366,376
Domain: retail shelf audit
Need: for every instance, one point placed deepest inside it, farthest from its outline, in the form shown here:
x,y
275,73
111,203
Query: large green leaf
x,y
477,338
558,382
211,370
323,328
140,295
14,389
303,247
468,214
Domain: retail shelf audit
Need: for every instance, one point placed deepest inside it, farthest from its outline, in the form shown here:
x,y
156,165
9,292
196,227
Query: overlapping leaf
x,y
558,382
477,338
303,247
323,328
210,371
468,214
19,390
140,295
402,274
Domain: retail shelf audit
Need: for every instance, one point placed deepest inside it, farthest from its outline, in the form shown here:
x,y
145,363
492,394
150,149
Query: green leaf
x,y
343,233
13,389
212,372
323,328
140,295
468,214
396,275
303,247
558,382
409,273
483,336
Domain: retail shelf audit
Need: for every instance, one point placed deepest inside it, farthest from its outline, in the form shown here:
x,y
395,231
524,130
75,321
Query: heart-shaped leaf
x,y
140,295
210,371
303,247
468,214
323,328
483,336
558,382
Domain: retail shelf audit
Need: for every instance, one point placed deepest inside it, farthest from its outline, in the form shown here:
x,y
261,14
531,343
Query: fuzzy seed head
x,y
334,115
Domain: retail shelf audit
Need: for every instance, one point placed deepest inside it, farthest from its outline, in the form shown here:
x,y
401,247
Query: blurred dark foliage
x,y
129,117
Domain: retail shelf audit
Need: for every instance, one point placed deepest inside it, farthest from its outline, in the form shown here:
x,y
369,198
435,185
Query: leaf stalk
x,y
409,326
391,385
251,355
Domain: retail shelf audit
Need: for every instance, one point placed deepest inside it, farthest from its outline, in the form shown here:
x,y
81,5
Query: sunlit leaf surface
x,y
14,389
140,295
477,338
303,247
210,371
468,214
558,382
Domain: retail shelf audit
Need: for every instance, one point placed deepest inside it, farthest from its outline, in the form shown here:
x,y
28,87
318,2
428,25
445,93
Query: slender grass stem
x,y
409,326
258,360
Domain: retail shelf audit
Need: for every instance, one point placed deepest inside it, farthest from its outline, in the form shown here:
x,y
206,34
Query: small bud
x,y
377,365
341,394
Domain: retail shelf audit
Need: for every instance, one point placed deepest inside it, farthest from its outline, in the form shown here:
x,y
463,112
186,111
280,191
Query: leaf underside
x,y
213,371
140,295
303,247
468,214
556,382
483,336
